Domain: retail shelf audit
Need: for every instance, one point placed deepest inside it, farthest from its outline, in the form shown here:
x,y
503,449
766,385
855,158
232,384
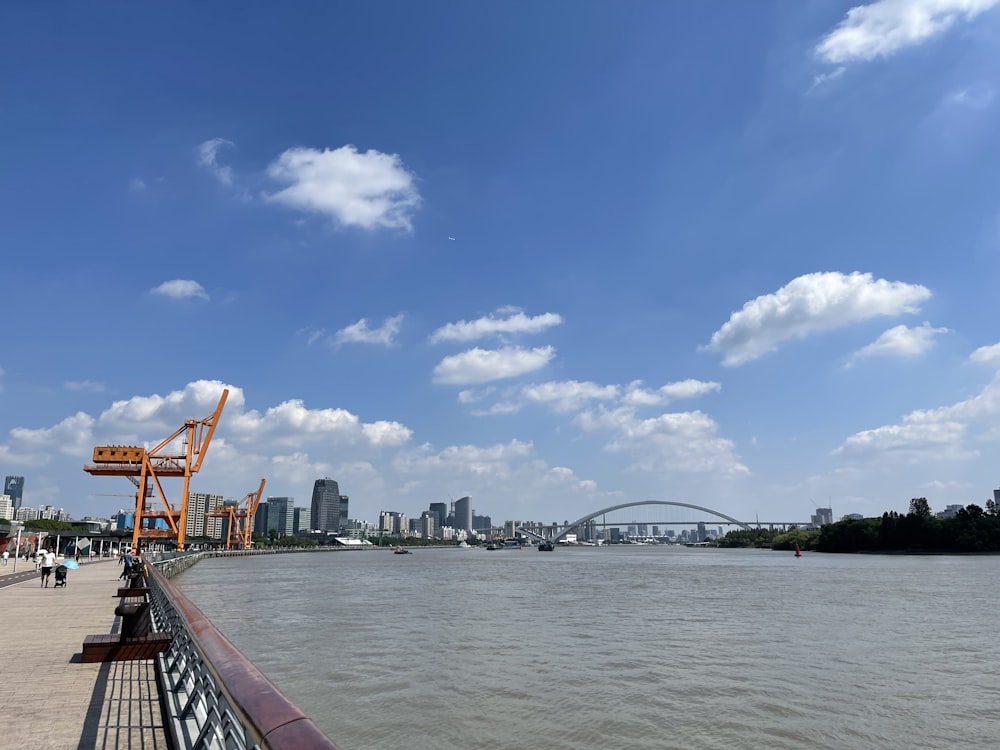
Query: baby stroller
x,y
61,575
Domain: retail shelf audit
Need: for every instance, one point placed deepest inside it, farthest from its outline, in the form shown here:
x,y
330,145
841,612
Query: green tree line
x,y
972,529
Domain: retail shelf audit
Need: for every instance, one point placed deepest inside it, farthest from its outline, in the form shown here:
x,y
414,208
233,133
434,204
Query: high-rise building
x,y
344,502
463,513
14,486
325,512
441,511
281,515
6,508
428,521
260,520
301,520
196,524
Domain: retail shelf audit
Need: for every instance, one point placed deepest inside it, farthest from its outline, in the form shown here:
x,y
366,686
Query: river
x,y
620,647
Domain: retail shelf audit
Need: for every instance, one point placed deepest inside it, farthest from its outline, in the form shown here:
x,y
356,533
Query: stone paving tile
x,y
55,701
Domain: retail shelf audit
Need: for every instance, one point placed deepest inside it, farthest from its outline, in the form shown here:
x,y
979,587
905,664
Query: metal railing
x,y
215,699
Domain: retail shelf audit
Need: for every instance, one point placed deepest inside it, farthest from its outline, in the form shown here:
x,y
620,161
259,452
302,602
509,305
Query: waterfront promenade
x,y
52,700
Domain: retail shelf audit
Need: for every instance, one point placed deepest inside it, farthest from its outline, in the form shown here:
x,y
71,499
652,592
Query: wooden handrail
x,y
270,717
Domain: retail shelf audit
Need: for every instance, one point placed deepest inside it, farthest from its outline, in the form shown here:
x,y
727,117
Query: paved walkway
x,y
50,699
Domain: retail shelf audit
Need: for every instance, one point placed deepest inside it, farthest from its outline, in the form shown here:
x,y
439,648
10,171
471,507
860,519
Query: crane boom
x,y
145,469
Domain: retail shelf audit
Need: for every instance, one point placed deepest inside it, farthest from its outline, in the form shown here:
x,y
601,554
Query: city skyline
x,y
738,256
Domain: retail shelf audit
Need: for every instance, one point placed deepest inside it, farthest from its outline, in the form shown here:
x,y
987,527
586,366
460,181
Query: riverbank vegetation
x,y
969,529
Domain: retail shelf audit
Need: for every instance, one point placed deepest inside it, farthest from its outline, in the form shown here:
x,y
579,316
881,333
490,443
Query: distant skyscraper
x,y
463,513
14,487
196,523
441,511
428,520
281,515
301,520
325,511
260,520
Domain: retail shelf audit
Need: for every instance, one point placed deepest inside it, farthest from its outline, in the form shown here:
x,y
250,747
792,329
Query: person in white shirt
x,y
48,562
6,554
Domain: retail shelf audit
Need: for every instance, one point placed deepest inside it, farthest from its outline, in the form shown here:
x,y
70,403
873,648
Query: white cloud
x,y
474,395
360,333
136,185
931,434
367,190
181,289
494,460
292,424
72,436
975,97
163,414
810,304
821,79
986,355
674,442
901,341
636,395
208,157
483,365
88,386
515,322
569,395
882,28
574,395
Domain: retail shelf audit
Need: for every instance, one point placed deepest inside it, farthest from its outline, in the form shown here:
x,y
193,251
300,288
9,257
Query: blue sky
x,y
557,256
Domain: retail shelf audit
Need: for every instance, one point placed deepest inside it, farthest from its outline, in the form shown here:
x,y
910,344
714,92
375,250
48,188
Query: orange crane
x,y
145,469
240,516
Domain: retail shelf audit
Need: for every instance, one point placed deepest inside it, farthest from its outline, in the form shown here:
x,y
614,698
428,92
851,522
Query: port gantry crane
x,y
239,534
145,468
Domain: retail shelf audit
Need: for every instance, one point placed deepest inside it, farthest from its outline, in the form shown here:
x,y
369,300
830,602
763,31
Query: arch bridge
x,y
591,516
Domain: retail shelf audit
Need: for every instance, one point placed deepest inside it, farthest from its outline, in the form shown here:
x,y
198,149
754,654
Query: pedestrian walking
x,y
6,555
48,561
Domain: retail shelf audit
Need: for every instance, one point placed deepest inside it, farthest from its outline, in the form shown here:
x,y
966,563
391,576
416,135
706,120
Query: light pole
x,y
17,549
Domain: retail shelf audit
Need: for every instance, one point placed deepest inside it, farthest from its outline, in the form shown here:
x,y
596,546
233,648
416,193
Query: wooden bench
x,y
132,592
113,647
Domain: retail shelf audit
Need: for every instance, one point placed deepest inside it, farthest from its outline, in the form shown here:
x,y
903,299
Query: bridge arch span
x,y
610,508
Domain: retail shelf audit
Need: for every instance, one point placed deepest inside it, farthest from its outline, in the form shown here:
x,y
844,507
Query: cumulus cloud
x,y
810,304
901,341
882,28
494,460
360,333
474,395
72,436
181,289
141,415
490,469
574,395
290,423
636,395
984,355
505,321
929,434
367,190
208,157
672,442
569,395
484,365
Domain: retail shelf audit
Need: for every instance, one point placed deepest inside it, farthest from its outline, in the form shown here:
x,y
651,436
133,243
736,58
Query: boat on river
x,y
545,546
